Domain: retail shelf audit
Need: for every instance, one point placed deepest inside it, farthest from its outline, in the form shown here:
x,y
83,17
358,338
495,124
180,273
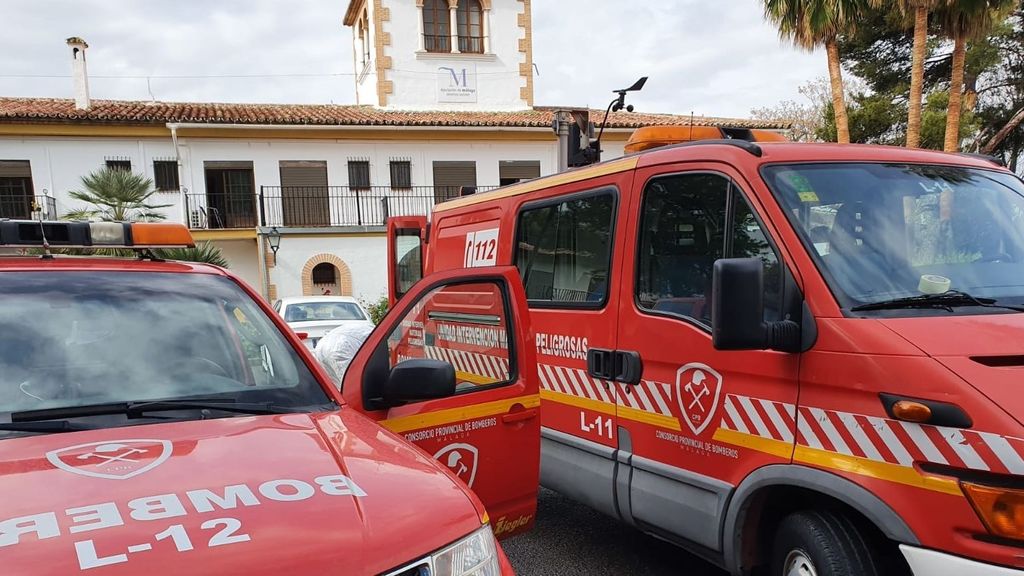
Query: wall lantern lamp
x,y
274,239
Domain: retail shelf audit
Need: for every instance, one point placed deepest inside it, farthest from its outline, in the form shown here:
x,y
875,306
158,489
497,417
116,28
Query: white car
x,y
315,316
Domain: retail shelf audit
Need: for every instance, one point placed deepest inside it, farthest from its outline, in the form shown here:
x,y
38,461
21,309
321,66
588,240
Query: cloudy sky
x,y
710,57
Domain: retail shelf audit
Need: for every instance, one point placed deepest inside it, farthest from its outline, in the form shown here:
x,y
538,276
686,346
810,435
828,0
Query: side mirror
x,y
419,379
737,310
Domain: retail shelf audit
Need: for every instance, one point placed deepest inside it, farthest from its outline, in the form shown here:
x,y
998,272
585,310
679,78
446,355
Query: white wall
x,y
243,260
366,257
58,164
414,73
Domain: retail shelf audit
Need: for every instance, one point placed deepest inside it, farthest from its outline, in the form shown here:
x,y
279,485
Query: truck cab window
x,y
685,226
564,251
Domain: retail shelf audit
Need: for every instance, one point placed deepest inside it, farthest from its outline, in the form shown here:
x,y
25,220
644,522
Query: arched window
x,y
470,20
437,35
325,273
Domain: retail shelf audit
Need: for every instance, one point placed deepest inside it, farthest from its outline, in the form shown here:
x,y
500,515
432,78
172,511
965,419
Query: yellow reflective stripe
x,y
578,402
417,421
474,378
882,470
649,418
767,445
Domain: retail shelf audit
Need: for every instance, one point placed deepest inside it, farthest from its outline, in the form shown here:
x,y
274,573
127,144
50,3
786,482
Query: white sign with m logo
x,y
456,83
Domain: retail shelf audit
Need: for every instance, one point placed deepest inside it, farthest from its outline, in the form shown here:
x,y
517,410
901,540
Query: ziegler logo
x,y
117,460
698,387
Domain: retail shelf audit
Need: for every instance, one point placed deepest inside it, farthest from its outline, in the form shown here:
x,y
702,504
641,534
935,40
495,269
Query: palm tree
x,y
965,20
810,24
117,195
206,253
918,10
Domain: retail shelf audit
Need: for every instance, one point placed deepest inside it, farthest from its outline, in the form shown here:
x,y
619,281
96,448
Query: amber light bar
x,y
28,233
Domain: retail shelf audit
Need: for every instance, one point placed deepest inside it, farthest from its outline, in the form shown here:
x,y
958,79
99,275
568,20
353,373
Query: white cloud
x,y
710,57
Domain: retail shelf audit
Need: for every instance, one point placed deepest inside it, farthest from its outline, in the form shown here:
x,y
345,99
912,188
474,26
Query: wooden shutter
x,y
15,169
518,170
304,194
450,177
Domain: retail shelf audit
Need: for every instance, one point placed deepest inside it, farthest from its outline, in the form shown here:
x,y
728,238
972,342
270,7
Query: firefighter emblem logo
x,y
461,459
117,460
698,387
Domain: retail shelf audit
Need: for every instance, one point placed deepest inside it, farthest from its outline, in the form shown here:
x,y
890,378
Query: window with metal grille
x,y
165,173
359,173
325,273
16,196
437,35
469,18
120,165
401,174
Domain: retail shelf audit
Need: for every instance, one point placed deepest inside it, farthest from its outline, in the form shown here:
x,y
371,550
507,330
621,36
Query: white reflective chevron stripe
x,y
1006,454
784,433
958,443
737,421
923,443
830,431
806,432
755,418
893,443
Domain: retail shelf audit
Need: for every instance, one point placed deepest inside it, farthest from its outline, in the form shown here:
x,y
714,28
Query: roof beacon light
x,y
29,233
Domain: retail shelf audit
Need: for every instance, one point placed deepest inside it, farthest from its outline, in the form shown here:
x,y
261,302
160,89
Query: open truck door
x,y
452,368
407,237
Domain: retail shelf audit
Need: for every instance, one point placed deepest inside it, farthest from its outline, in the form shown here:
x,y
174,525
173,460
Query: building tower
x,y
465,55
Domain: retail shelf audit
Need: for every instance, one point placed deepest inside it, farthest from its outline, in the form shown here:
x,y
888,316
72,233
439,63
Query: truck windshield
x,y
75,339
881,232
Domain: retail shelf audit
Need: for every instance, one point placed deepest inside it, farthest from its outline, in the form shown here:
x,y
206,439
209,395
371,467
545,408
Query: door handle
x,y
600,363
520,415
628,367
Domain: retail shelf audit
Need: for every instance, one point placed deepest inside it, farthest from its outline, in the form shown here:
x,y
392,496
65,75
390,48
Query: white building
x,y
448,107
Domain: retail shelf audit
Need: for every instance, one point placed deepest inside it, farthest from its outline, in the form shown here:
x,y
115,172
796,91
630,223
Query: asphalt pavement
x,y
570,539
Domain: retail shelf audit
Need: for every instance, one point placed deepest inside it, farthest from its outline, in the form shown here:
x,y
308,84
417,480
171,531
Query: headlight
x,y
474,555
1000,509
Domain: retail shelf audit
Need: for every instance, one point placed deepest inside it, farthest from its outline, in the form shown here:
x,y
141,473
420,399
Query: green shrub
x,y
377,308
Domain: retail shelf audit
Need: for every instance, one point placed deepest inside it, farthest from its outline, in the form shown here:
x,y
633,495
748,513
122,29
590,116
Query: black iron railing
x,y
221,210
437,43
471,44
26,207
312,206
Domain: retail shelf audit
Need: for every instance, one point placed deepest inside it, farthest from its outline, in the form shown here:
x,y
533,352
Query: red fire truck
x,y
795,357
158,417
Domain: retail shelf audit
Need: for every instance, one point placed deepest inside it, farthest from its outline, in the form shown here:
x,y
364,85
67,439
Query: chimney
x,y
78,72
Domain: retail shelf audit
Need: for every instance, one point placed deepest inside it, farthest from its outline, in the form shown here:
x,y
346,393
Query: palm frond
x,y
204,252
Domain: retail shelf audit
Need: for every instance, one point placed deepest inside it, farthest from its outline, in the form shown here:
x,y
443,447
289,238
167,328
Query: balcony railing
x,y
221,210
313,206
26,207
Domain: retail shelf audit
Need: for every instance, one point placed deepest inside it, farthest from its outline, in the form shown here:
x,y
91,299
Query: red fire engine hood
x,y
987,351
295,494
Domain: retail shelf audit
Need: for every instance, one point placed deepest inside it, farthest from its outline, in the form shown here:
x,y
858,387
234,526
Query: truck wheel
x,y
821,543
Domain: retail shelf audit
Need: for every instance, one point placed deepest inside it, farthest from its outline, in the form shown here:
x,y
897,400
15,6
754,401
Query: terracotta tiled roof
x,y
54,110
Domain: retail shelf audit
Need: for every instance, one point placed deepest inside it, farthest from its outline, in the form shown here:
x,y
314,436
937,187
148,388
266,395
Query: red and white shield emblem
x,y
698,387
460,459
113,460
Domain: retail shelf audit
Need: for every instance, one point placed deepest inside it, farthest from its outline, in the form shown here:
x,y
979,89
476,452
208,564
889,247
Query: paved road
x,y
571,539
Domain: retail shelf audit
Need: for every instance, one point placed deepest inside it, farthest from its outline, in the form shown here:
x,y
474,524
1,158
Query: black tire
x,y
830,541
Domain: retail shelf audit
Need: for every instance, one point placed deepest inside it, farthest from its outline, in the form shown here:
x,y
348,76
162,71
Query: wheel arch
x,y
748,498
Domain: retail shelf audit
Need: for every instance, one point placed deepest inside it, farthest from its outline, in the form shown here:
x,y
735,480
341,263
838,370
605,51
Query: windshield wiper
x,y
946,300
140,409
47,427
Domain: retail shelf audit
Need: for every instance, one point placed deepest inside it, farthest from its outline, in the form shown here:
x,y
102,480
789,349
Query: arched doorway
x,y
326,274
